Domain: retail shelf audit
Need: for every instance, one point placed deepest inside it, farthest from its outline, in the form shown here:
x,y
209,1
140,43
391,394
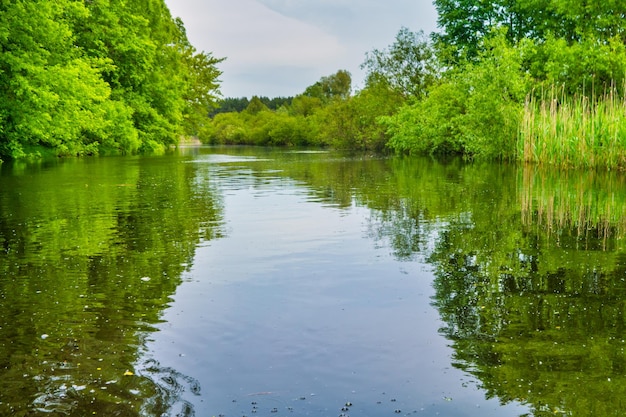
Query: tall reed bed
x,y
574,131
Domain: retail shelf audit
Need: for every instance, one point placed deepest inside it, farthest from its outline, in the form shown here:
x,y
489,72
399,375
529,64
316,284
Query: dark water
x,y
248,282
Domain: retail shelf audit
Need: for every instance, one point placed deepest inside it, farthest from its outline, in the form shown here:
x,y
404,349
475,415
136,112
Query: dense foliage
x,y
238,104
326,113
466,22
481,87
112,76
505,64
99,76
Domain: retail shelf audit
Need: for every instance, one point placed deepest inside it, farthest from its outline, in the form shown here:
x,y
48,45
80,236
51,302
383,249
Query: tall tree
x,y
408,66
50,94
466,22
81,77
334,86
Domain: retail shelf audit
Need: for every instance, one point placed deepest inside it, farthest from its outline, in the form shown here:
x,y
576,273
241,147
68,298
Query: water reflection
x,y
577,209
309,284
92,251
533,302
530,272
299,312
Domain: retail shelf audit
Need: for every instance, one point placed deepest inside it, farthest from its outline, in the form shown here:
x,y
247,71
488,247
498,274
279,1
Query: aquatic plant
x,y
577,131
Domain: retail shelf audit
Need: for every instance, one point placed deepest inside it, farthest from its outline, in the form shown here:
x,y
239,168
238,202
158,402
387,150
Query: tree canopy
x,y
465,22
408,65
333,86
526,80
99,76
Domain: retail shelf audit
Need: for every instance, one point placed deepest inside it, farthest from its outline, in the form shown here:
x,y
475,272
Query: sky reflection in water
x,y
296,310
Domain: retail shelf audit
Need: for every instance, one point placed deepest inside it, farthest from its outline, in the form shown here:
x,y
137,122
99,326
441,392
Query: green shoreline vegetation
x,y
533,82
580,130
98,77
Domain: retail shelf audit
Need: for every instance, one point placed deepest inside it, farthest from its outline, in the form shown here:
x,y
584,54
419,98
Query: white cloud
x,y
250,33
279,47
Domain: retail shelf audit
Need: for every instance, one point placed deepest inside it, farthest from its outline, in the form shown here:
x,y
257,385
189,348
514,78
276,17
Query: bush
x,y
475,110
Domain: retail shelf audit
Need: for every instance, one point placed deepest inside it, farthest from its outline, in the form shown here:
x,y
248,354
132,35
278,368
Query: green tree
x,y
230,104
86,77
305,105
353,123
589,67
228,128
474,110
465,22
408,65
496,87
256,106
202,84
336,86
430,126
51,95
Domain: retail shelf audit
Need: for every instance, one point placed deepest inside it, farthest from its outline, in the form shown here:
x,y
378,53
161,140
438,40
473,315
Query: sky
x,y
278,48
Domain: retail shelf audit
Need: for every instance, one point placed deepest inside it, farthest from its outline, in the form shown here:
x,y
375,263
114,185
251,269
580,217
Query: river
x,y
226,281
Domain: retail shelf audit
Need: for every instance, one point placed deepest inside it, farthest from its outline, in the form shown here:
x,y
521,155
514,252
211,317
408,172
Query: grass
x,y
575,131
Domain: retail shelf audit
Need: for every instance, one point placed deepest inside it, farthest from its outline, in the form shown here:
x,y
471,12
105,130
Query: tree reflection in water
x,y
529,268
530,276
91,257
536,310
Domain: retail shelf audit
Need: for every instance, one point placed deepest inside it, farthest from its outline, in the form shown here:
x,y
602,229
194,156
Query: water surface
x,y
242,281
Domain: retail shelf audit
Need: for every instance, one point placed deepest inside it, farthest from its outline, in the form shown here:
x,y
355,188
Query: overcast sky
x,y
279,47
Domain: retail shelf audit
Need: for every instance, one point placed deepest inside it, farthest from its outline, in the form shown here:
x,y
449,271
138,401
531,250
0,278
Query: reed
x,y
574,131
588,206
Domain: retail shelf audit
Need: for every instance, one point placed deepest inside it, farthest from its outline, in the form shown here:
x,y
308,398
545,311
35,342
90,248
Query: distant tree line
x,y
324,114
238,104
